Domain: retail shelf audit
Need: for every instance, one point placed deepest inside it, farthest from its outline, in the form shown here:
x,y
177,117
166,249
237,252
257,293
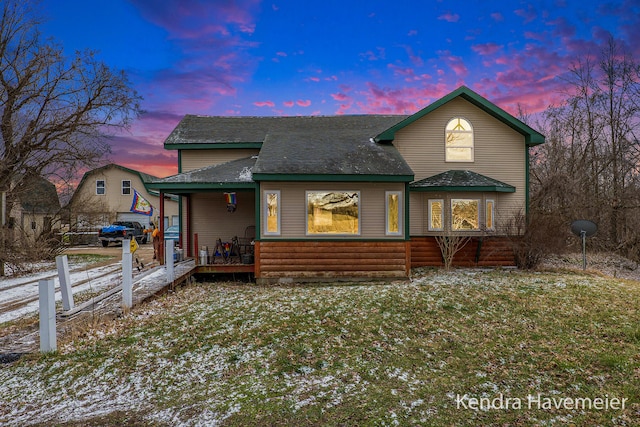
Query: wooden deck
x,y
225,268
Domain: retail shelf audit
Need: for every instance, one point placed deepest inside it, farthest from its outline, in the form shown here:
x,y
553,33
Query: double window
x,y
126,187
464,215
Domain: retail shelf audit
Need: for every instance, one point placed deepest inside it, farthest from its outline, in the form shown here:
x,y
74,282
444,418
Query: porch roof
x,y
461,180
235,175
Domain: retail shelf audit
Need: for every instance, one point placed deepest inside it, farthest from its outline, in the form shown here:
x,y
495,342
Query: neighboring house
x,y
351,197
35,210
106,194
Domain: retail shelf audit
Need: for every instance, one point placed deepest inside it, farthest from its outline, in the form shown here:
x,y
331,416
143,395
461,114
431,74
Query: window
x,y
394,213
272,212
126,188
435,215
489,212
458,141
100,187
464,214
333,212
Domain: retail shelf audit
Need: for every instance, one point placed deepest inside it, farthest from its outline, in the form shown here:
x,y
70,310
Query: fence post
x,y
62,262
168,260
46,288
127,271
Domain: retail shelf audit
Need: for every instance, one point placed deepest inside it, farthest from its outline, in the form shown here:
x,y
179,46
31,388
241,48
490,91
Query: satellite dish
x,y
583,229
581,226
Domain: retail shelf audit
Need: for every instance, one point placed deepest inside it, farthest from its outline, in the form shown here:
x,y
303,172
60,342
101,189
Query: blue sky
x,y
287,57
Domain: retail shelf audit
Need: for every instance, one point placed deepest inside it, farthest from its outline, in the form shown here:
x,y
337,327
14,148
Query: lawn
x,y
448,348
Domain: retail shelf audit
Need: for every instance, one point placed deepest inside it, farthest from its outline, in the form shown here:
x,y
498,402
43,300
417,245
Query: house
x,y
34,210
354,197
106,194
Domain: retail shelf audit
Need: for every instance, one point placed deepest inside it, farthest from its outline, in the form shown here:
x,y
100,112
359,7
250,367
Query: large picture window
x,y
465,214
272,212
394,213
333,212
459,141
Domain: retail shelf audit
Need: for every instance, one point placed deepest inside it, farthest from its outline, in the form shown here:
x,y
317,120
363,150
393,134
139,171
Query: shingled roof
x,y
317,148
230,175
461,180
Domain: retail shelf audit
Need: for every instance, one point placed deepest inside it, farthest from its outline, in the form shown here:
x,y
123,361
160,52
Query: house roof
x,y
311,148
461,180
38,195
144,177
319,148
235,174
532,137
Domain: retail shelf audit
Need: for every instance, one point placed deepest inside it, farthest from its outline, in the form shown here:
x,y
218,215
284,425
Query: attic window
x,y
458,141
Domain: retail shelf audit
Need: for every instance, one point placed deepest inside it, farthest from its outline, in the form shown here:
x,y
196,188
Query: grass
x,y
361,354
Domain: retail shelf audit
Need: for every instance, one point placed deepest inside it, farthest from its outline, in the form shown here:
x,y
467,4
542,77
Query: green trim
x,y
526,184
331,178
487,188
531,136
258,211
212,146
406,212
179,161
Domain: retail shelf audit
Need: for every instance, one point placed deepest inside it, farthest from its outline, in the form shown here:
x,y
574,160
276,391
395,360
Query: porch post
x,y
188,224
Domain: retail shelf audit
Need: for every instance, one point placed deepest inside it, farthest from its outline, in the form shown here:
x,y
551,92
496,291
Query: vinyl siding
x,y
211,220
196,159
499,153
372,221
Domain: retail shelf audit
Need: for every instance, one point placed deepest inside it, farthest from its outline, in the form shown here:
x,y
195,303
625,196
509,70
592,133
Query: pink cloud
x,y
486,48
288,104
264,104
528,14
303,103
456,63
449,17
497,16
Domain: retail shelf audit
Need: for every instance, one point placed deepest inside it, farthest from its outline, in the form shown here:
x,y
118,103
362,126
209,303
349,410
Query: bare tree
x,y
54,111
590,166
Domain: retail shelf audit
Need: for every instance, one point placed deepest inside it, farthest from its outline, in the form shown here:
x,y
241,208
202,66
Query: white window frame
x,y
388,232
128,188
103,187
306,211
266,231
478,201
470,147
429,213
490,209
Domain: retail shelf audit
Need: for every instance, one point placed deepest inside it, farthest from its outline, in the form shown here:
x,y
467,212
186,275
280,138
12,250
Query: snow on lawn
x,y
214,351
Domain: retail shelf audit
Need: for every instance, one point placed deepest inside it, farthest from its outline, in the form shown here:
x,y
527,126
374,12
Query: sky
x,y
292,57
